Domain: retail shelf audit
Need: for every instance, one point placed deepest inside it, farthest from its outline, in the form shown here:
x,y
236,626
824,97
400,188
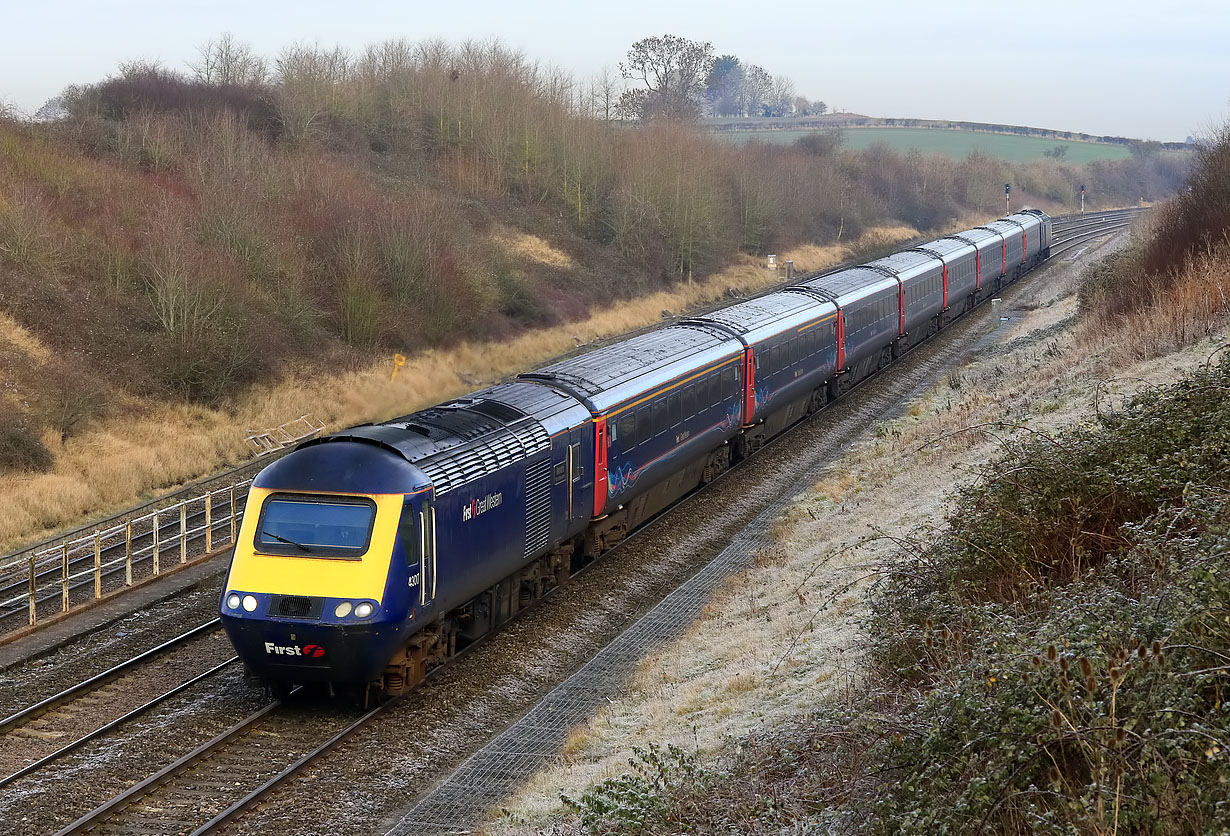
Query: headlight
x,y
232,601
342,610
249,603
363,610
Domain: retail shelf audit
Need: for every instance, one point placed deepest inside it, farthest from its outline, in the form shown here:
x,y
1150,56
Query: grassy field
x,y
952,143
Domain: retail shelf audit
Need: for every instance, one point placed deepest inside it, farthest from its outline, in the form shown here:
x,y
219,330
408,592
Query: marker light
x,y
249,603
363,610
342,610
232,601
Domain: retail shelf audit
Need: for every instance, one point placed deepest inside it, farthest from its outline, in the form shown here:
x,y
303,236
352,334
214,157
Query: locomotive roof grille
x,y
457,466
458,442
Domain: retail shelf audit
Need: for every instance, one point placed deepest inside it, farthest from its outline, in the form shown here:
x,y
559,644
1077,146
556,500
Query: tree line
x,y
678,78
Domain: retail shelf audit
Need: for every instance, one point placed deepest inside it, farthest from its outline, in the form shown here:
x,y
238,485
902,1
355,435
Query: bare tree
x,y
781,98
756,90
310,81
673,70
225,60
604,93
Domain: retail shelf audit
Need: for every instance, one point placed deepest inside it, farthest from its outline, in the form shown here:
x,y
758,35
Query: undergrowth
x,y
1054,661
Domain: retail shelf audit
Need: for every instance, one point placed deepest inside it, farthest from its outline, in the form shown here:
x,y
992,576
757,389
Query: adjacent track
x,y
70,712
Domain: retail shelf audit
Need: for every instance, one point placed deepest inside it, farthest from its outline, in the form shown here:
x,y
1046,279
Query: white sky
x,y
1143,68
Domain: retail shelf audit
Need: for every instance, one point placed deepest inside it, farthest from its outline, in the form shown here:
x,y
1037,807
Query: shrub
x,y
664,789
21,449
1061,643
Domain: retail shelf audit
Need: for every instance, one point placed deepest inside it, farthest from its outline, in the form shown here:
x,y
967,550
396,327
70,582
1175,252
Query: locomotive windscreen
x,y
315,526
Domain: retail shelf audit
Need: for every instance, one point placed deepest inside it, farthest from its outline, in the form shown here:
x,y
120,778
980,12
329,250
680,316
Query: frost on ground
x,y
781,638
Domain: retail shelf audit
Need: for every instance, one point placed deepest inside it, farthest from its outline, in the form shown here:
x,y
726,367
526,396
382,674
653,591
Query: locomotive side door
x,y
427,550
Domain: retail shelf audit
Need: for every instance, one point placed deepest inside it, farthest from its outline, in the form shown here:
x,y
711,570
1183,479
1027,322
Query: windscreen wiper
x,y
306,550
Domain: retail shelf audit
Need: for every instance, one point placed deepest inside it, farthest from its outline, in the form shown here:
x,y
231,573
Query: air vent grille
x,y
537,505
296,606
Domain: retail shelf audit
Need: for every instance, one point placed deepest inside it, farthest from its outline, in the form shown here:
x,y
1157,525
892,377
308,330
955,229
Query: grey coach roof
x,y
607,376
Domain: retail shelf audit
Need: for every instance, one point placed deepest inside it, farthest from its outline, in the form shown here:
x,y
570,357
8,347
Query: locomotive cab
x,y
324,586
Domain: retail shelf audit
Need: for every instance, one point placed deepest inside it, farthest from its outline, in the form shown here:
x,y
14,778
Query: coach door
x,y
577,507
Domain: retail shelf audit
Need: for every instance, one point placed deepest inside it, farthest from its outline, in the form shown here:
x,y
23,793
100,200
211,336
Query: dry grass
x,y
19,339
150,447
778,639
532,248
1187,308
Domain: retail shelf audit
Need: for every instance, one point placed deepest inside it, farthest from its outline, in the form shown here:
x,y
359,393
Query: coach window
x,y
675,408
689,401
659,417
627,430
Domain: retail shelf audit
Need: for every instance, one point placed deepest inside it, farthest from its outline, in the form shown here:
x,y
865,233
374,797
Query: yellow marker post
x,y
399,360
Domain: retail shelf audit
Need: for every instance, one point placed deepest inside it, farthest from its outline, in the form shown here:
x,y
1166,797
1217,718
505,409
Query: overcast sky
x,y
1150,69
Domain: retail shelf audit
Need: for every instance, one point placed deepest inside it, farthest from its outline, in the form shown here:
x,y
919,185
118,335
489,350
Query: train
x,y
370,555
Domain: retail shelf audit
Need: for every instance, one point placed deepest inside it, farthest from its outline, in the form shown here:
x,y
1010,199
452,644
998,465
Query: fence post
x,y
183,532
232,516
33,600
128,553
209,522
97,564
155,542
64,578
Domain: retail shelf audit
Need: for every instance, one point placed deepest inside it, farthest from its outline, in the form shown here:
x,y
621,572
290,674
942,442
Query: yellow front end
x,y
320,577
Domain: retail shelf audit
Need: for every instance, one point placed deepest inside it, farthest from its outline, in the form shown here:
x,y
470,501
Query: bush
x,y
1062,644
20,447
1101,713
664,789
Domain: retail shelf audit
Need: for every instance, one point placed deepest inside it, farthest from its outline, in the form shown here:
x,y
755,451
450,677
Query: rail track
x,y
217,782
60,724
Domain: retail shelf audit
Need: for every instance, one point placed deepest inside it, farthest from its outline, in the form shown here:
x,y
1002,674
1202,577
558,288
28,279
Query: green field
x,y
953,143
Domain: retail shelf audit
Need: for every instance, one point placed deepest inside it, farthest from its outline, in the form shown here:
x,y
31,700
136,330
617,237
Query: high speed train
x,y
368,556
